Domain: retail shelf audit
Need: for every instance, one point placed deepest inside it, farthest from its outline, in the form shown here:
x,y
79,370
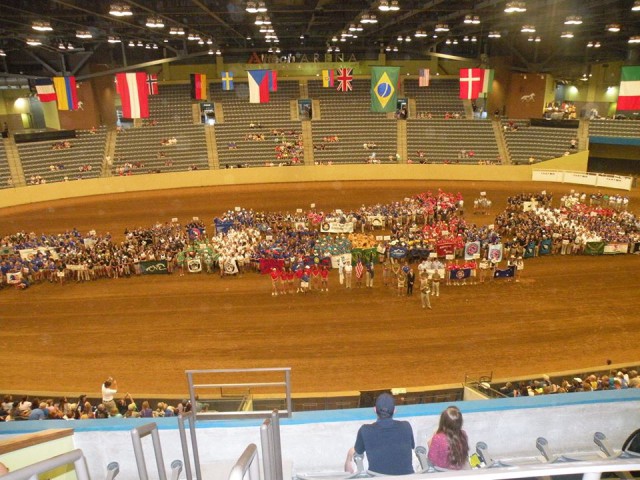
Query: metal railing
x,y
271,447
31,472
190,419
248,463
136,437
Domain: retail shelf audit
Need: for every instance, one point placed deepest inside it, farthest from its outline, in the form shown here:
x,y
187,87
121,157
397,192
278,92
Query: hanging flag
x,y
629,96
45,90
198,86
133,90
327,78
258,85
487,81
384,88
66,92
470,83
152,84
273,81
227,80
344,79
423,78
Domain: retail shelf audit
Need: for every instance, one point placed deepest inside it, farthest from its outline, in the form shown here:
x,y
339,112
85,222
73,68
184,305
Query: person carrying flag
x,y
359,273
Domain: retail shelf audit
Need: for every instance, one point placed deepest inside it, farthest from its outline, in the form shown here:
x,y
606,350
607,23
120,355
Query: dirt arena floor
x,y
566,313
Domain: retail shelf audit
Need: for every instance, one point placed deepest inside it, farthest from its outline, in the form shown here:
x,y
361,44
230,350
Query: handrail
x,y
248,462
31,472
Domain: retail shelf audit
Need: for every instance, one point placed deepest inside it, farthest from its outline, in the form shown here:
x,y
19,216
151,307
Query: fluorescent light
x,y
573,20
613,27
528,29
515,7
566,35
494,34
636,6
113,39
120,10
42,26
83,34
33,42
442,27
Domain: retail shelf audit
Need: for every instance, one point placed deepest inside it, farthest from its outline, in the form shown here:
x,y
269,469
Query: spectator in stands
x,y
388,443
573,145
109,389
449,447
146,411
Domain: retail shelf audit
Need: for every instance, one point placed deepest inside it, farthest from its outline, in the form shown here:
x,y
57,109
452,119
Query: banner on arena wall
x,y
154,267
459,273
545,247
594,248
222,227
530,250
335,260
445,247
471,249
365,254
505,273
266,264
495,253
376,220
613,248
336,227
397,252
194,265
14,278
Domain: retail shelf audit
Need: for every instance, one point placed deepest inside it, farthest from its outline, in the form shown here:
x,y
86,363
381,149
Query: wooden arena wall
x,y
266,175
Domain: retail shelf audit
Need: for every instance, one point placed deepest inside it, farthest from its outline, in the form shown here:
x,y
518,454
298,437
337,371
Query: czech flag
x,y
134,93
273,81
199,86
66,94
258,85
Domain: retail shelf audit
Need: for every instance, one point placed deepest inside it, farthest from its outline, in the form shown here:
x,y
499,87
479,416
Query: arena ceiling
x,y
311,26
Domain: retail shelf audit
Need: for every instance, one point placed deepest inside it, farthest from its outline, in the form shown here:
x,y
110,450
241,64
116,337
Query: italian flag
x,y
629,96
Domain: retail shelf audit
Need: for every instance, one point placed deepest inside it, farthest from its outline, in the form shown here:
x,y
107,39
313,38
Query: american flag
x,y
423,79
359,270
344,79
152,84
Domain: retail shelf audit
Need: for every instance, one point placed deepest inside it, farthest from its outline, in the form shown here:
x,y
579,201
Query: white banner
x,y
335,260
376,220
335,227
194,265
612,248
614,181
29,253
14,277
582,178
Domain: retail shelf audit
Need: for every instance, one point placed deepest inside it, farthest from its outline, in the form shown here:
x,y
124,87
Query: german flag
x,y
199,86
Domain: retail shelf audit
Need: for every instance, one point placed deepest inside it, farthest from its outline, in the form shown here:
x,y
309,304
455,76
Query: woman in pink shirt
x,y
449,447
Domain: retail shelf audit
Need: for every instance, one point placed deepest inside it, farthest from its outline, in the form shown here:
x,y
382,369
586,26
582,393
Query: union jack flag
x,y
344,79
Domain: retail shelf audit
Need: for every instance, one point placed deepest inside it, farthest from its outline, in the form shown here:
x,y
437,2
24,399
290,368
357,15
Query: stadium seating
x,y
349,117
143,146
614,128
440,97
239,114
87,149
5,174
443,140
541,143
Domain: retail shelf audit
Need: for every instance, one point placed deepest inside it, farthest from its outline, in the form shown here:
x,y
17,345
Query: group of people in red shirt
x,y
301,279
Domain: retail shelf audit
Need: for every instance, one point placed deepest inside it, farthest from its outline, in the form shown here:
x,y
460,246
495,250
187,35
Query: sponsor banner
x,y
335,260
459,273
445,247
266,264
336,227
376,220
194,265
154,267
495,253
397,251
222,227
613,248
14,278
594,248
506,273
365,254
545,247
471,249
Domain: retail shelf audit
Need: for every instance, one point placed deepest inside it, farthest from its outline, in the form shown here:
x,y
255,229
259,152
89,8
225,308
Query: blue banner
x,y
222,227
397,251
530,250
506,273
459,273
545,247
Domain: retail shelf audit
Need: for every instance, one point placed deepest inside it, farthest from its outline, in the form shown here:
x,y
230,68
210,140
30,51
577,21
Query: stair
x,y
505,155
212,149
14,163
307,141
401,139
109,152
583,134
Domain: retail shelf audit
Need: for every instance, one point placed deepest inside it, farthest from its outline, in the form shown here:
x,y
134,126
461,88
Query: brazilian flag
x,y
384,88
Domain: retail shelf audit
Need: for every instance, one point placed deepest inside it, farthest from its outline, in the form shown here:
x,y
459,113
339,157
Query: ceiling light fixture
x,y
596,45
131,44
407,38
83,34
218,52
528,29
140,44
474,39
613,27
420,34
636,6
573,20
62,46
634,39
33,42
515,7
42,26
590,44
113,39
494,34
155,22
566,35
2,53
442,27
120,10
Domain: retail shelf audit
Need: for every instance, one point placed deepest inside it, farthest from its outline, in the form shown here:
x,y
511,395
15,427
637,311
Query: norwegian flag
x,y
344,79
152,84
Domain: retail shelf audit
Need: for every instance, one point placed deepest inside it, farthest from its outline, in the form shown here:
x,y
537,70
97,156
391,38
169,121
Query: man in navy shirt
x,y
388,443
